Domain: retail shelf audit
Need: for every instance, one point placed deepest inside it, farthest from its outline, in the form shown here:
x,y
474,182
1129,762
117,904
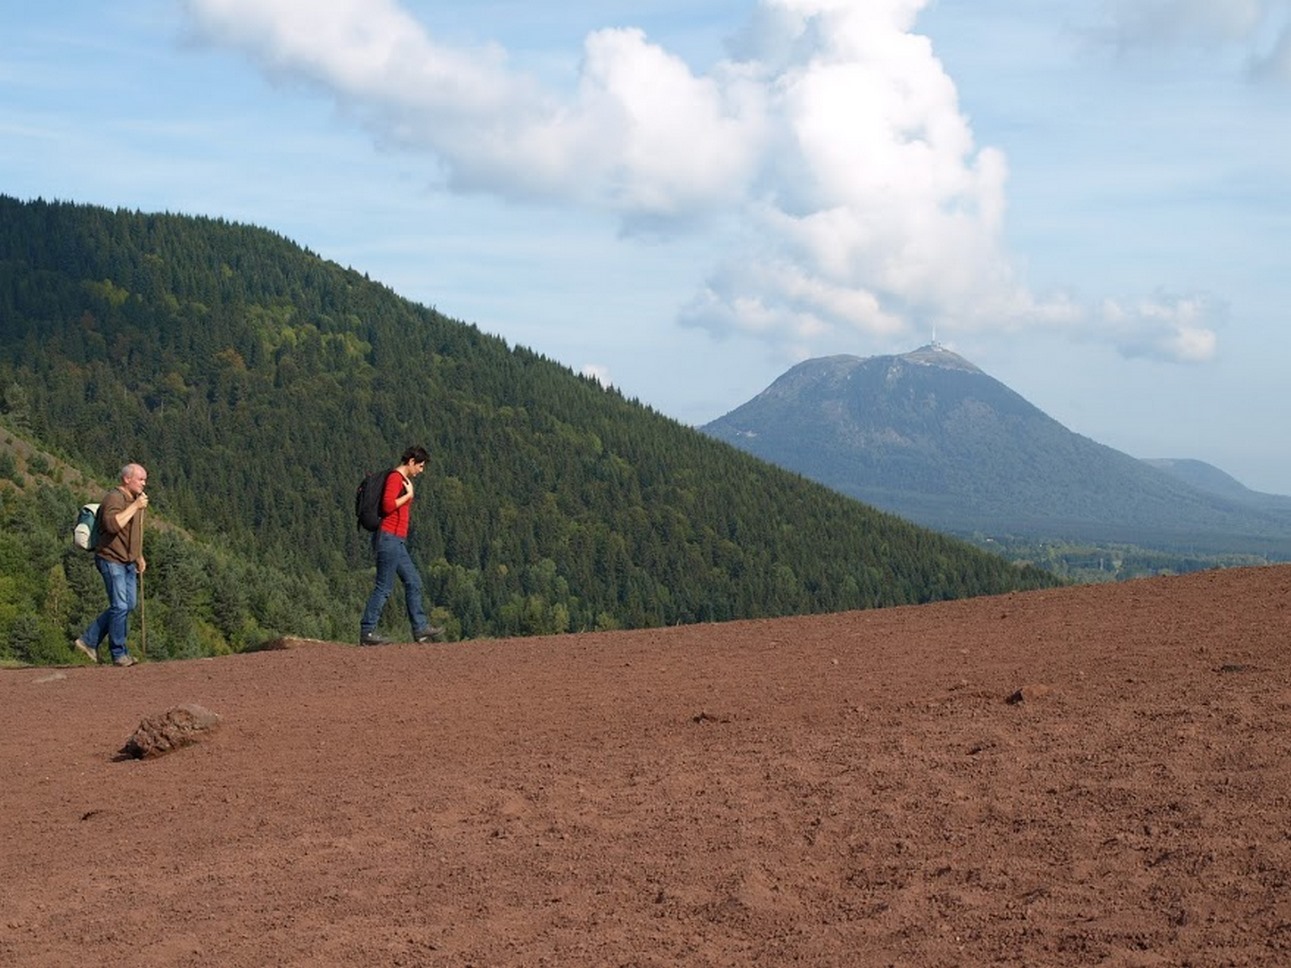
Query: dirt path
x,y
851,789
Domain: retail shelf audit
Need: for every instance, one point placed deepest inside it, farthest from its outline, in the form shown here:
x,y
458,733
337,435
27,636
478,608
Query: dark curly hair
x,y
414,455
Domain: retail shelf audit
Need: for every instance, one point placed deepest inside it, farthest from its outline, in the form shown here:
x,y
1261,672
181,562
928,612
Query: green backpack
x,y
85,533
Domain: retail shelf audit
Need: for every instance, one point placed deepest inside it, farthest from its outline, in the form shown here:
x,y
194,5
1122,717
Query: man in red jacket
x,y
391,552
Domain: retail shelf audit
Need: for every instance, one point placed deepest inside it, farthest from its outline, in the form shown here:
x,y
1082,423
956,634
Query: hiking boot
x,y
85,650
124,660
372,638
431,633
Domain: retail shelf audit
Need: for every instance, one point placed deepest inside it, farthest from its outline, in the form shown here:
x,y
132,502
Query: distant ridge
x,y
1207,477
930,436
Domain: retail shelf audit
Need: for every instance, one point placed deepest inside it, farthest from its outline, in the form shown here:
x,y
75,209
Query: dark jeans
x,y
122,584
393,559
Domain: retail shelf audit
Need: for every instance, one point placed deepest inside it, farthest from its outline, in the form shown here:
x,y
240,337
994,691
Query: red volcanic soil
x,y
852,789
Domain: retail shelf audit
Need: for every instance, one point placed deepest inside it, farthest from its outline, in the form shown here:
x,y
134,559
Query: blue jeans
x,y
122,584
393,559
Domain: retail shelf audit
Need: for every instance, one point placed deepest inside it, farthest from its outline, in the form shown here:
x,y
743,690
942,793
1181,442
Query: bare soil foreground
x,y
852,789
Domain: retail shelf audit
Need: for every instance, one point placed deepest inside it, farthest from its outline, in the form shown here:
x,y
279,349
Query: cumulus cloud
x,y
1163,327
641,136
831,137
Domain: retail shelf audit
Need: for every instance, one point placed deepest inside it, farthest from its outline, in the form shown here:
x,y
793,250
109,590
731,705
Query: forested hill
x,y
258,382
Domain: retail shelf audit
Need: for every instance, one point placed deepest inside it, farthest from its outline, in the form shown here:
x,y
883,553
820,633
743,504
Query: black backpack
x,y
367,499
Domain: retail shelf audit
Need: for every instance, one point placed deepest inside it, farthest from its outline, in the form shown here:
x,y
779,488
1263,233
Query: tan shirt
x,y
122,545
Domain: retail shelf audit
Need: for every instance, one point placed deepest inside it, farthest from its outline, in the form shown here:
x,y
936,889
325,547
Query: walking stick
x,y
143,621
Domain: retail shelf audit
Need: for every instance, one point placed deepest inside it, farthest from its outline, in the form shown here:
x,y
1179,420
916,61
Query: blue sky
x,y
1089,200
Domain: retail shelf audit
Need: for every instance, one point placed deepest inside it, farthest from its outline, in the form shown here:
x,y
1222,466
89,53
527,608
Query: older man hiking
x,y
118,555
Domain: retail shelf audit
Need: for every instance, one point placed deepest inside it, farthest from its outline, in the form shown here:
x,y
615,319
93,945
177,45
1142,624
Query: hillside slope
x,y
842,790
259,383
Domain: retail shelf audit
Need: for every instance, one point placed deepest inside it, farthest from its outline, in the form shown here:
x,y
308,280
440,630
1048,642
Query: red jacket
x,y
395,520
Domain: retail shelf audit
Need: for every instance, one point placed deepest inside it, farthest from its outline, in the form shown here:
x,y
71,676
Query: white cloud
x,y
830,145
1165,328
643,136
879,213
